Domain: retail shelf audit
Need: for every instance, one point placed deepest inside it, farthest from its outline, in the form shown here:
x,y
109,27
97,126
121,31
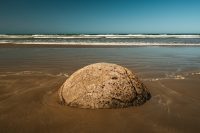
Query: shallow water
x,y
136,39
30,78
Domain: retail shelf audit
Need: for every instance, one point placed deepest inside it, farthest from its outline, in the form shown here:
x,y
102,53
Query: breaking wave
x,y
131,39
101,36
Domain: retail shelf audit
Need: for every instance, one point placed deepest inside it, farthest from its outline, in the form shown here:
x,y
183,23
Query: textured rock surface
x,y
103,85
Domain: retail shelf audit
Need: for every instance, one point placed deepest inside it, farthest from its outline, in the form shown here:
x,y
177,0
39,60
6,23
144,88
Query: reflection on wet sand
x,y
29,103
31,77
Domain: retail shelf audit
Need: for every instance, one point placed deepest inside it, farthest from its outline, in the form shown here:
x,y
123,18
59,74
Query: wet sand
x,y
29,101
92,45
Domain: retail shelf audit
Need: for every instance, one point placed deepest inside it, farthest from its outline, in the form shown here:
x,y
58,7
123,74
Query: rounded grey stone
x,y
103,85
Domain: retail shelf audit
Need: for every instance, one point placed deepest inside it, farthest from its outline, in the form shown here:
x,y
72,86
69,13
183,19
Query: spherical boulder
x,y
103,85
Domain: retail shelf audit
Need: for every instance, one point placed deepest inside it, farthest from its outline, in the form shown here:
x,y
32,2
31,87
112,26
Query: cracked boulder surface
x,y
103,85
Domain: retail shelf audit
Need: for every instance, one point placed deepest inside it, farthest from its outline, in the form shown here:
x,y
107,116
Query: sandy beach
x,y
29,103
100,66
30,78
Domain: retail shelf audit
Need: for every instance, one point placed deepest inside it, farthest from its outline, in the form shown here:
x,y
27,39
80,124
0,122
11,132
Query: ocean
x,y
132,39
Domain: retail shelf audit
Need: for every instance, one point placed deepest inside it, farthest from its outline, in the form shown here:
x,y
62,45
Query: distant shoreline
x,y
100,40
92,45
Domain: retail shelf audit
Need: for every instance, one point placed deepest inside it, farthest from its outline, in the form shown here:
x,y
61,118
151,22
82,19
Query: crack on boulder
x,y
130,81
139,98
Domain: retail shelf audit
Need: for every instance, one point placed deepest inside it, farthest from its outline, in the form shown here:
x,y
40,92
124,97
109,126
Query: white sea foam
x,y
101,36
21,73
176,77
5,41
94,40
179,77
196,73
144,36
15,36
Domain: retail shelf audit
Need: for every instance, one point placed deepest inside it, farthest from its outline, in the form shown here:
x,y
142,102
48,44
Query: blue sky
x,y
99,16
